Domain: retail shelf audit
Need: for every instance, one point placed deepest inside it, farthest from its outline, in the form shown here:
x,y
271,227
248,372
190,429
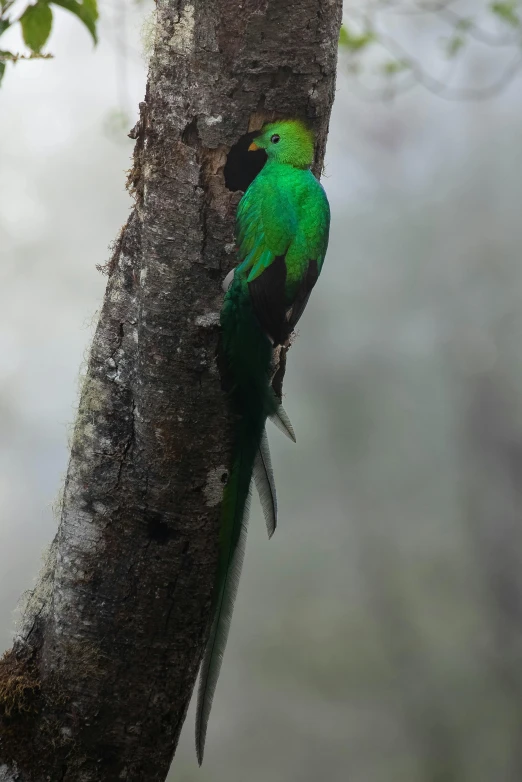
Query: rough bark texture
x,y
97,684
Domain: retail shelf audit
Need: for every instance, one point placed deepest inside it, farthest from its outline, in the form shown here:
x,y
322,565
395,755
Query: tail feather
x,y
245,358
280,418
213,657
264,478
234,520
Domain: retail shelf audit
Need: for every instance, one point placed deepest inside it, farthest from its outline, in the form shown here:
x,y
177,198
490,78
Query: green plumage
x,y
282,235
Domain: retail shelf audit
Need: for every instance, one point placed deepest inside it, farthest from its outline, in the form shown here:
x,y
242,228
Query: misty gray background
x,y
376,637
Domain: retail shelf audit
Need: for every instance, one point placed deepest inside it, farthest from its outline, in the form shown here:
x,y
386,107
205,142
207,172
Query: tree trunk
x,y
99,679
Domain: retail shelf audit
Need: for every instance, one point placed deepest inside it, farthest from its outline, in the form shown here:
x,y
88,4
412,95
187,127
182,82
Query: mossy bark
x,y
98,681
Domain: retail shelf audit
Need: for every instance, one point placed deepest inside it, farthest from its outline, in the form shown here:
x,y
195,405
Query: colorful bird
x,y
282,229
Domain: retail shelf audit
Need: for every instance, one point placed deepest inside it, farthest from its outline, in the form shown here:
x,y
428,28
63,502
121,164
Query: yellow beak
x,y
253,147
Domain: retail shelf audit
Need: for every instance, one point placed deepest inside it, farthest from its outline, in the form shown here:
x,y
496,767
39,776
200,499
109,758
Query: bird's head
x,y
286,141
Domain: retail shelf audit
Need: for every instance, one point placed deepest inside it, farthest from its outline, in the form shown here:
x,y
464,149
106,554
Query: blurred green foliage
x,y
36,23
353,41
369,47
508,12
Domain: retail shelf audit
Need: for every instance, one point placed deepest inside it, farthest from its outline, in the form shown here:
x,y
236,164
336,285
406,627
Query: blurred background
x,y
378,636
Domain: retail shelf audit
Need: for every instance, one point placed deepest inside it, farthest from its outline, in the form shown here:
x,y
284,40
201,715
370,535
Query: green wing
x,y
282,233
266,225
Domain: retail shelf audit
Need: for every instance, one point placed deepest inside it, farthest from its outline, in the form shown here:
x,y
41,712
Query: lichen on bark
x,y
98,681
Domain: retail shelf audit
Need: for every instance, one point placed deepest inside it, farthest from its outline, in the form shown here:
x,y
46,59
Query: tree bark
x,y
97,684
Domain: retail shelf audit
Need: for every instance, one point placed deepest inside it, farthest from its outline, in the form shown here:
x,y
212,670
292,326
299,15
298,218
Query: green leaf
x,y
355,41
2,70
4,24
36,22
465,24
86,11
507,11
393,67
453,45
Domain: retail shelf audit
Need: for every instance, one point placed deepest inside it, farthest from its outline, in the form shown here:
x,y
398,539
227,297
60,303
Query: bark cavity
x,y
243,166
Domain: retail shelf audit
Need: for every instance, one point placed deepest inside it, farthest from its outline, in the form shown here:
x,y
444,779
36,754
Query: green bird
x,y
282,227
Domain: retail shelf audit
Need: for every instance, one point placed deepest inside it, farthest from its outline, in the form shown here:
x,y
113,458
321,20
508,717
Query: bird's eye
x,y
274,139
